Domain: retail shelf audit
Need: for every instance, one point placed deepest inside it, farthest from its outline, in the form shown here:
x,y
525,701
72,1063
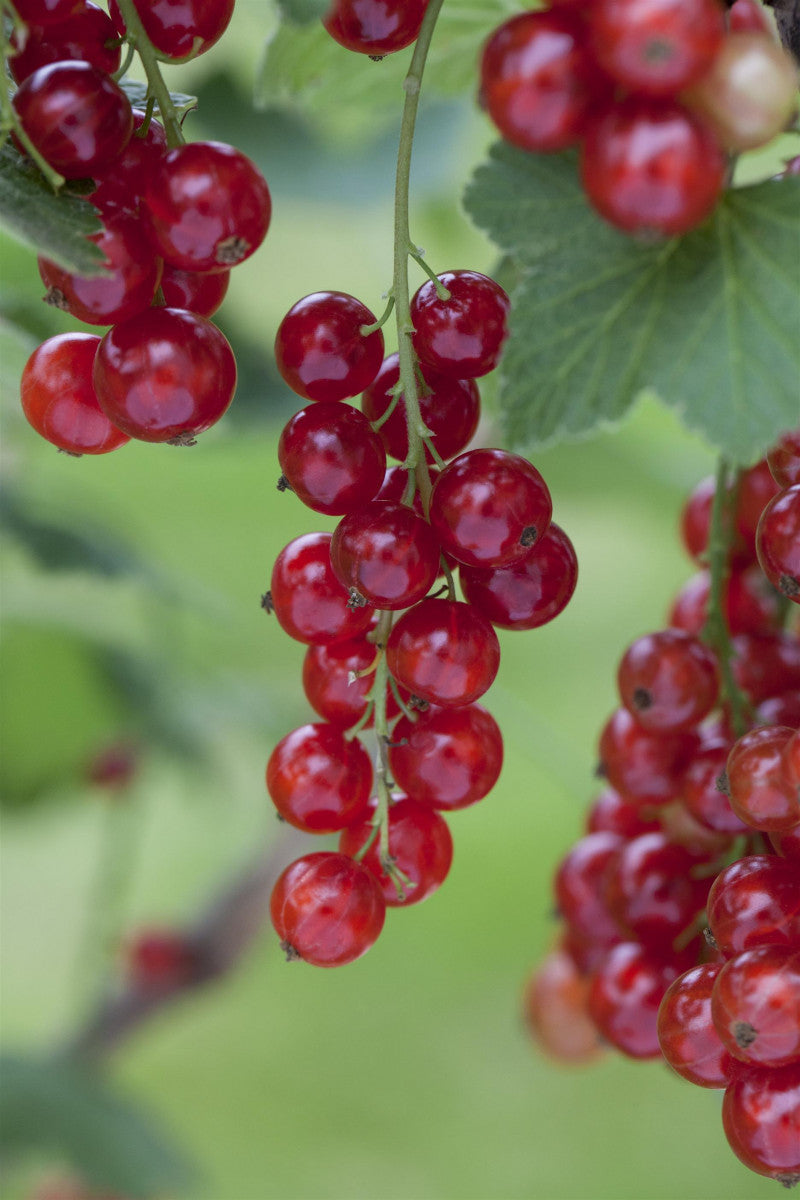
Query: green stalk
x,y
155,80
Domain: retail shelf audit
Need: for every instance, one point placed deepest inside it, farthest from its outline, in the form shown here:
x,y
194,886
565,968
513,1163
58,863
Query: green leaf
x,y
301,12
67,1112
709,321
55,225
137,94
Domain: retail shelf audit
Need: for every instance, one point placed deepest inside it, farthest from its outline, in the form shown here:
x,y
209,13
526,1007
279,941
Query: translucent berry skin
x,y
756,1003
444,651
651,168
489,507
450,409
700,793
318,780
759,793
375,27
784,460
686,1033
308,600
651,891
756,488
76,116
554,1010
668,680
420,843
164,375
197,292
787,845
644,767
43,12
579,886
755,902
461,337
176,30
448,758
531,591
778,542
83,36
127,287
656,46
612,813
327,909
761,1119
750,603
385,553
59,400
209,206
540,80
320,350
626,991
328,685
122,184
331,458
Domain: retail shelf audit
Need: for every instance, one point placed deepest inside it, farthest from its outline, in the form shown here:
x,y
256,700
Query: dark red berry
x,y
309,601
198,292
700,793
462,336
756,488
87,35
766,666
756,1006
626,991
444,651
579,887
644,767
180,29
449,757
750,603
612,813
652,889
761,1119
668,680
758,790
686,1033
778,542
331,458
531,591
384,554
318,779
420,843
755,902
375,27
656,46
320,349
784,460
43,12
122,184
337,679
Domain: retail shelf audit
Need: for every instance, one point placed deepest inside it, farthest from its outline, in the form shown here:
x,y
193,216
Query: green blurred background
x,y
407,1075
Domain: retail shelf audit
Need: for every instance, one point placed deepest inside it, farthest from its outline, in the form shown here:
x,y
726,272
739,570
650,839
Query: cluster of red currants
x,y
375,27
176,217
656,96
700,830
486,511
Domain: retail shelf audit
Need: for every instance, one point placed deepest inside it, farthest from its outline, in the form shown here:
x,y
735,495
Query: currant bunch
x,y
655,96
402,528
175,218
698,831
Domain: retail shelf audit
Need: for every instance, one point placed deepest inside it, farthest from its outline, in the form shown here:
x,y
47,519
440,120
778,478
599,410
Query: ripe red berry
x,y
87,35
778,542
444,651
610,812
164,375
330,687
375,27
531,591
555,1010
320,349
579,887
384,554
463,336
43,12
652,890
626,991
756,1006
656,46
327,909
178,30
59,400
420,843
540,79
449,757
159,960
668,680
699,790
686,1033
78,118
199,292
309,601
750,603
761,1119
489,507
644,767
318,779
766,666
756,785
755,902
122,183
331,458
784,460
652,167
209,206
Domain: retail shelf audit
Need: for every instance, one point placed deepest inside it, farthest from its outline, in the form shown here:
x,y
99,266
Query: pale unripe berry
x,y
749,94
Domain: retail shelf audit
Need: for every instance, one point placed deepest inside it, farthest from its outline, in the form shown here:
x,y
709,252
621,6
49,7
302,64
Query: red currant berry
x,y
750,603
197,292
448,758
87,35
540,80
489,507
531,591
420,843
122,184
59,400
159,960
644,767
385,555
686,1033
756,786
209,206
327,909
77,118
307,598
624,998
780,710
178,30
320,349
164,375
331,458
778,542
579,886
555,1010
652,168
761,1119
790,761
755,902
656,46
700,792
337,679
123,290
449,408
756,1005
444,651
462,336
318,779
651,890
375,27
668,680
43,12
611,813
766,666
784,460
787,845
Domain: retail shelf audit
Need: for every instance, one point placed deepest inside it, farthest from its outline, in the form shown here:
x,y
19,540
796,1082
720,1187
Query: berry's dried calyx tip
x,y
56,298
182,439
266,603
355,599
283,485
530,535
291,954
745,1034
232,250
642,699
789,1181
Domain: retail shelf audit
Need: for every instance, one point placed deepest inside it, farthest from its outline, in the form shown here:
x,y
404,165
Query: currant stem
x,y
715,630
366,330
419,259
155,80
